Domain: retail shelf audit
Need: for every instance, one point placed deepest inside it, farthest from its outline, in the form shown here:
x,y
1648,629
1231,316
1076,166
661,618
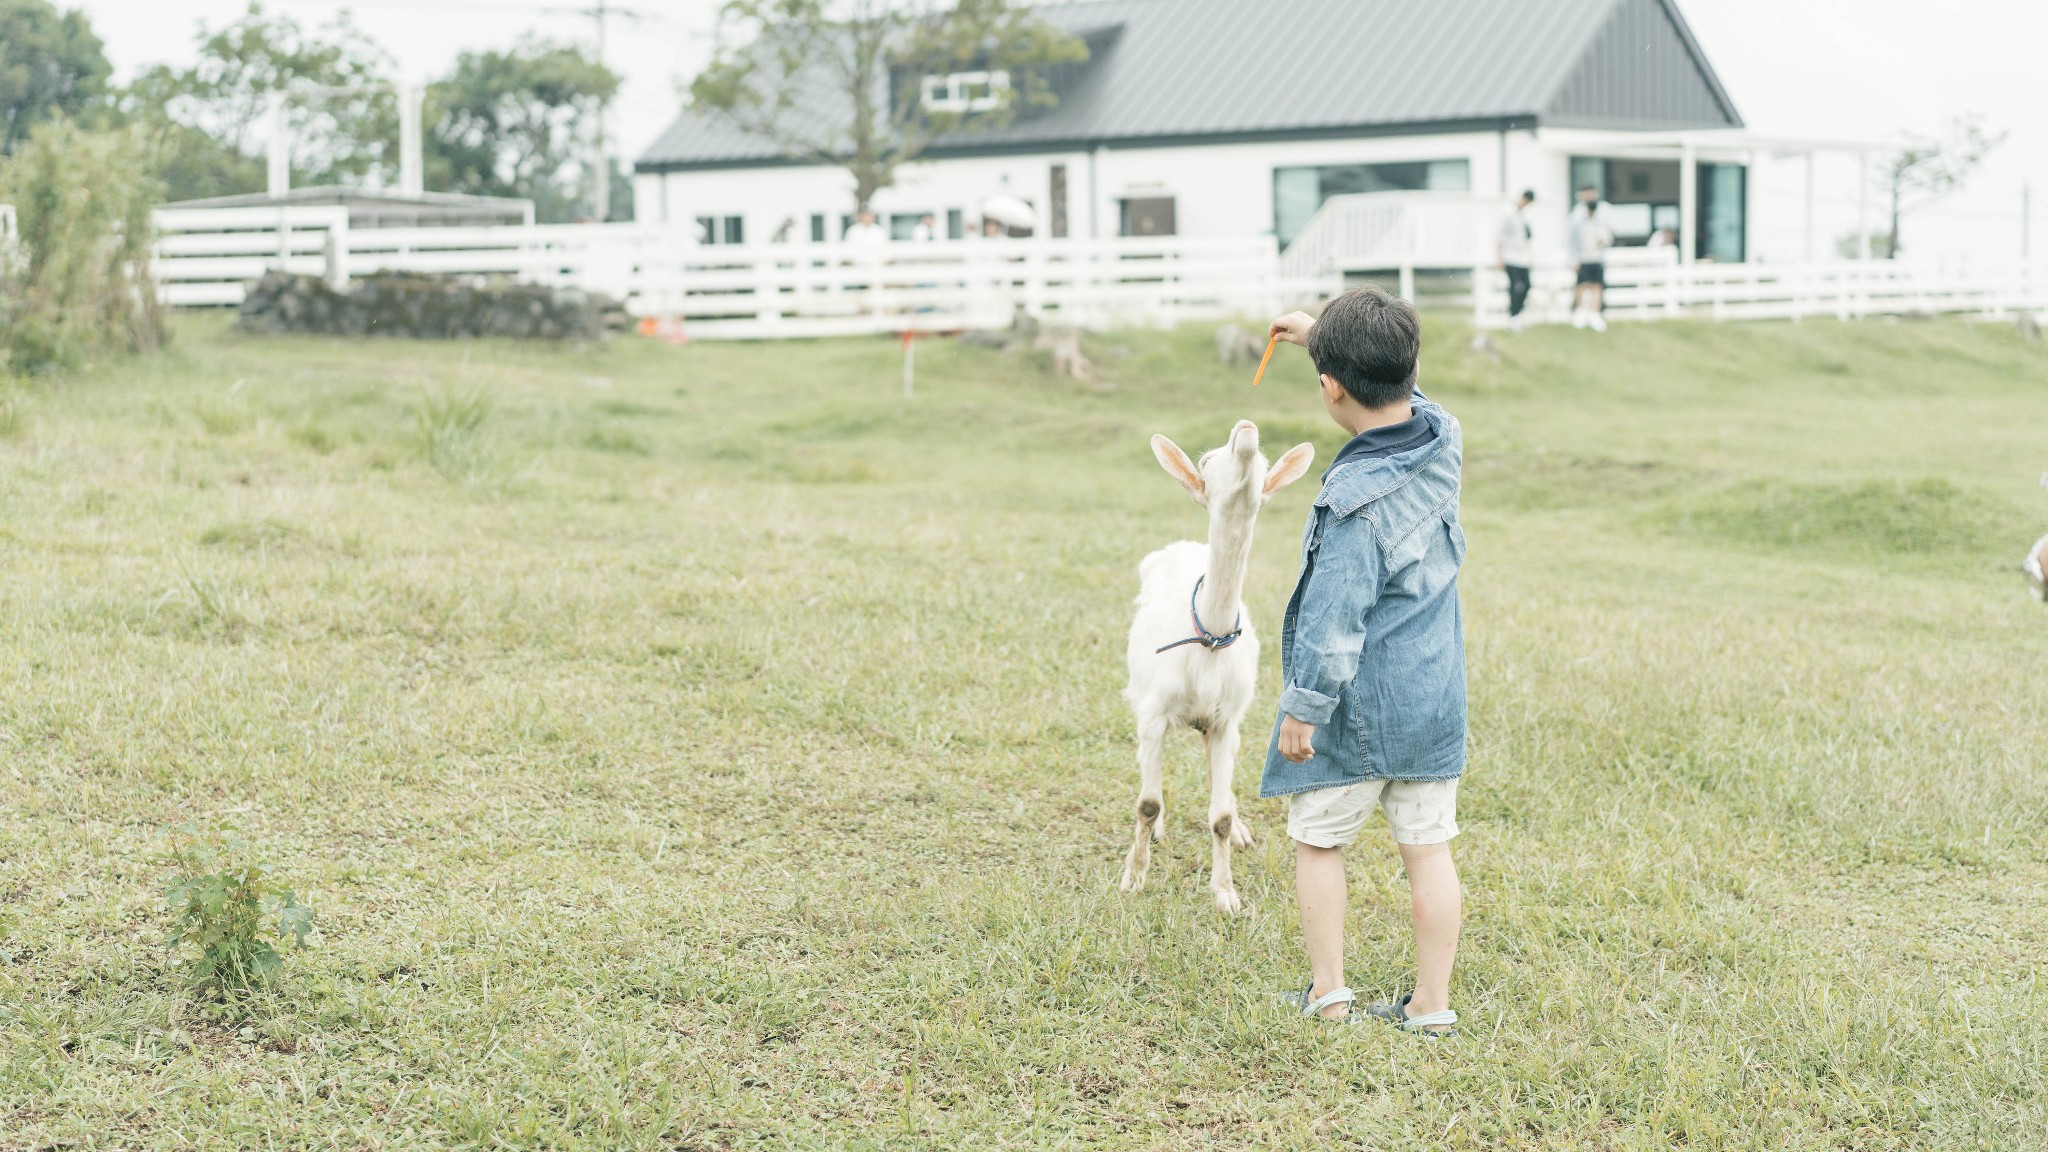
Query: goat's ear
x,y
1290,467
1179,467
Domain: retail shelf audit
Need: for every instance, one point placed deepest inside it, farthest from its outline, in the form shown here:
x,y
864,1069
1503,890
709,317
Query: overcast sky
x,y
1832,68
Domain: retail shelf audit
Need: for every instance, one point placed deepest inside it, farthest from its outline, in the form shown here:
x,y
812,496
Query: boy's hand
x,y
1297,739
1292,328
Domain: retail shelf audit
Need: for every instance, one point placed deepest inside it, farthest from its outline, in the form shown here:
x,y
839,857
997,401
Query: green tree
x,y
51,65
1928,168
341,113
519,123
844,82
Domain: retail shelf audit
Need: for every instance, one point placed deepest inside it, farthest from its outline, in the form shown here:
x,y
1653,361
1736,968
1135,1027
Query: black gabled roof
x,y
1171,71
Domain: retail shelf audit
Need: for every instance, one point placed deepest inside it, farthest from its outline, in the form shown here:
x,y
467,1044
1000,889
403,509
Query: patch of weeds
x,y
1542,481
221,608
13,412
838,426
229,915
256,534
228,413
454,429
628,408
1923,516
314,436
816,471
618,443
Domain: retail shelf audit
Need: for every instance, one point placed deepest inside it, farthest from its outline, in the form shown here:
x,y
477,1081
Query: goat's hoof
x,y
1227,901
1132,882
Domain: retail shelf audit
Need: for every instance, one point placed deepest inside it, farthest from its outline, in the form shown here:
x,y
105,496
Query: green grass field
x,y
708,748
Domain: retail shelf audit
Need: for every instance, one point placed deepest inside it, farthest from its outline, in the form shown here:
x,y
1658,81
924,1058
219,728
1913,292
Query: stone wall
x,y
412,307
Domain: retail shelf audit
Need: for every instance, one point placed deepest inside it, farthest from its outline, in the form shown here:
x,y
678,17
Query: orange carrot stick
x,y
1265,360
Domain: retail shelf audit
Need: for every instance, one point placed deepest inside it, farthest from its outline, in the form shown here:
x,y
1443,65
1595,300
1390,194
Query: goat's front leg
x,y
1151,799
1225,827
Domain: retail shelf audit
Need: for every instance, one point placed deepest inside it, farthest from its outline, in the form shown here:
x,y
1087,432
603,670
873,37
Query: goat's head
x,y
1233,480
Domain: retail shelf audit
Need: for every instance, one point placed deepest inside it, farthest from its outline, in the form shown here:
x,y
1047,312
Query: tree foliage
x,y
210,119
519,123
51,64
841,81
77,278
1927,168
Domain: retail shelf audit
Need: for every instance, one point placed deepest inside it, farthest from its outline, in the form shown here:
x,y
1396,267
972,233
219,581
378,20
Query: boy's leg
x,y
1319,889
1438,906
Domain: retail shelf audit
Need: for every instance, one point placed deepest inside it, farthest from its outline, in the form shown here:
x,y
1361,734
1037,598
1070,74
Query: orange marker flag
x,y
1265,360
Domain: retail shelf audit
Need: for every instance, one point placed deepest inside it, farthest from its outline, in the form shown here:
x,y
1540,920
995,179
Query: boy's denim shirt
x,y
1373,648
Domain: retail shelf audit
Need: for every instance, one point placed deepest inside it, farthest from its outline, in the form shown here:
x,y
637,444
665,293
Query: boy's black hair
x,y
1368,341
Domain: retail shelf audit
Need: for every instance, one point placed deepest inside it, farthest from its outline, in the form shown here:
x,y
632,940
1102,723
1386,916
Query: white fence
x,y
1650,284
208,256
763,291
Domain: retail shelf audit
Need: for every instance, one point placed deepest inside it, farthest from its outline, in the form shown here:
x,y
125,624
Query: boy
x,y
1373,652
1589,232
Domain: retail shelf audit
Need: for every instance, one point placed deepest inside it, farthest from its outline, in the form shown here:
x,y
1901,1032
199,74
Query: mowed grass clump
x,y
750,773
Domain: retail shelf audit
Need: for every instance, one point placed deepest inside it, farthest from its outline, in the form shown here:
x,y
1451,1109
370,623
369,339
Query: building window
x,y
966,91
956,224
1642,200
903,225
1146,216
817,227
1299,192
713,230
1059,201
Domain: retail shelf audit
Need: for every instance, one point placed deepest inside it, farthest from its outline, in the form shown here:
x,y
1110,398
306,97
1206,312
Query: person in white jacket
x,y
1589,233
1511,255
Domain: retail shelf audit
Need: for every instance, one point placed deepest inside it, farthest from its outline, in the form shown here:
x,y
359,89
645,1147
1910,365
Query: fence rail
x,y
1650,284
207,257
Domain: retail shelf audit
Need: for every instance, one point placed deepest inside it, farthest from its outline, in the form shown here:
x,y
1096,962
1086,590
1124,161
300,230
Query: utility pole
x,y
603,182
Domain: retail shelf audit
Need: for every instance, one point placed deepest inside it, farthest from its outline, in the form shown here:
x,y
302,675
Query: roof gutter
x,y
1129,143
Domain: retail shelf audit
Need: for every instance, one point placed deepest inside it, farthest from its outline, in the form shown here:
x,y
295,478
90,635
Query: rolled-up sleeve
x,y
1344,582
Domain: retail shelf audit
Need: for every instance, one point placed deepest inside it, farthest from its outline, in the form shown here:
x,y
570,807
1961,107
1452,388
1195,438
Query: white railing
x,y
208,257
1399,231
1650,284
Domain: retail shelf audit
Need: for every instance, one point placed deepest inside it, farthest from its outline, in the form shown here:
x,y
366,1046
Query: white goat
x,y
1193,655
2035,566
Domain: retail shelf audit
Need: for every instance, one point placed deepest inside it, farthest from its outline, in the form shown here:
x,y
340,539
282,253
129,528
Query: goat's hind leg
x,y
1151,823
1226,828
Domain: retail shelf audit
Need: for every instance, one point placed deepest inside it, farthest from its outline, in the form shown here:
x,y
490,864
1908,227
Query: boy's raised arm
x,y
1329,631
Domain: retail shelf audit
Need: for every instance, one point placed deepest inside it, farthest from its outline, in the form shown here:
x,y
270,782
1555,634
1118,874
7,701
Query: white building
x,y
1240,118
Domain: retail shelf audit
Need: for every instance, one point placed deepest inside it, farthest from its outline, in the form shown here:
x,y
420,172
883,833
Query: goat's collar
x,y
1203,636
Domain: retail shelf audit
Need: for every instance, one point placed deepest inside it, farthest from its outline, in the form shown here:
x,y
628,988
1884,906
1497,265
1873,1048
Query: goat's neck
x,y
1230,553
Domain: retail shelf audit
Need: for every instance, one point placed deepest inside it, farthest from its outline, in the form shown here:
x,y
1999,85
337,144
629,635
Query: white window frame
x,y
966,91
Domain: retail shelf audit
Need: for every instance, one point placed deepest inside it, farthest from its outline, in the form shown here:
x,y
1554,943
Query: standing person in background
x,y
1511,254
925,230
1589,232
864,232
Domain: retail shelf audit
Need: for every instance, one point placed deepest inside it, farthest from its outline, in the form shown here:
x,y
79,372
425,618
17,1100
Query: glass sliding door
x,y
1723,211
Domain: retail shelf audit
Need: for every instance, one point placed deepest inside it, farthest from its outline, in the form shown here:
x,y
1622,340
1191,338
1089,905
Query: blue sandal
x,y
1300,1002
1426,1024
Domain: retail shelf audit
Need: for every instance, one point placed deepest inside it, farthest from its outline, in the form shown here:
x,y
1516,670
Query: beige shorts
x,y
1419,811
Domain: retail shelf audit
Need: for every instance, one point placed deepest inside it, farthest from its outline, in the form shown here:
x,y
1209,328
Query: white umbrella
x,y
1009,211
